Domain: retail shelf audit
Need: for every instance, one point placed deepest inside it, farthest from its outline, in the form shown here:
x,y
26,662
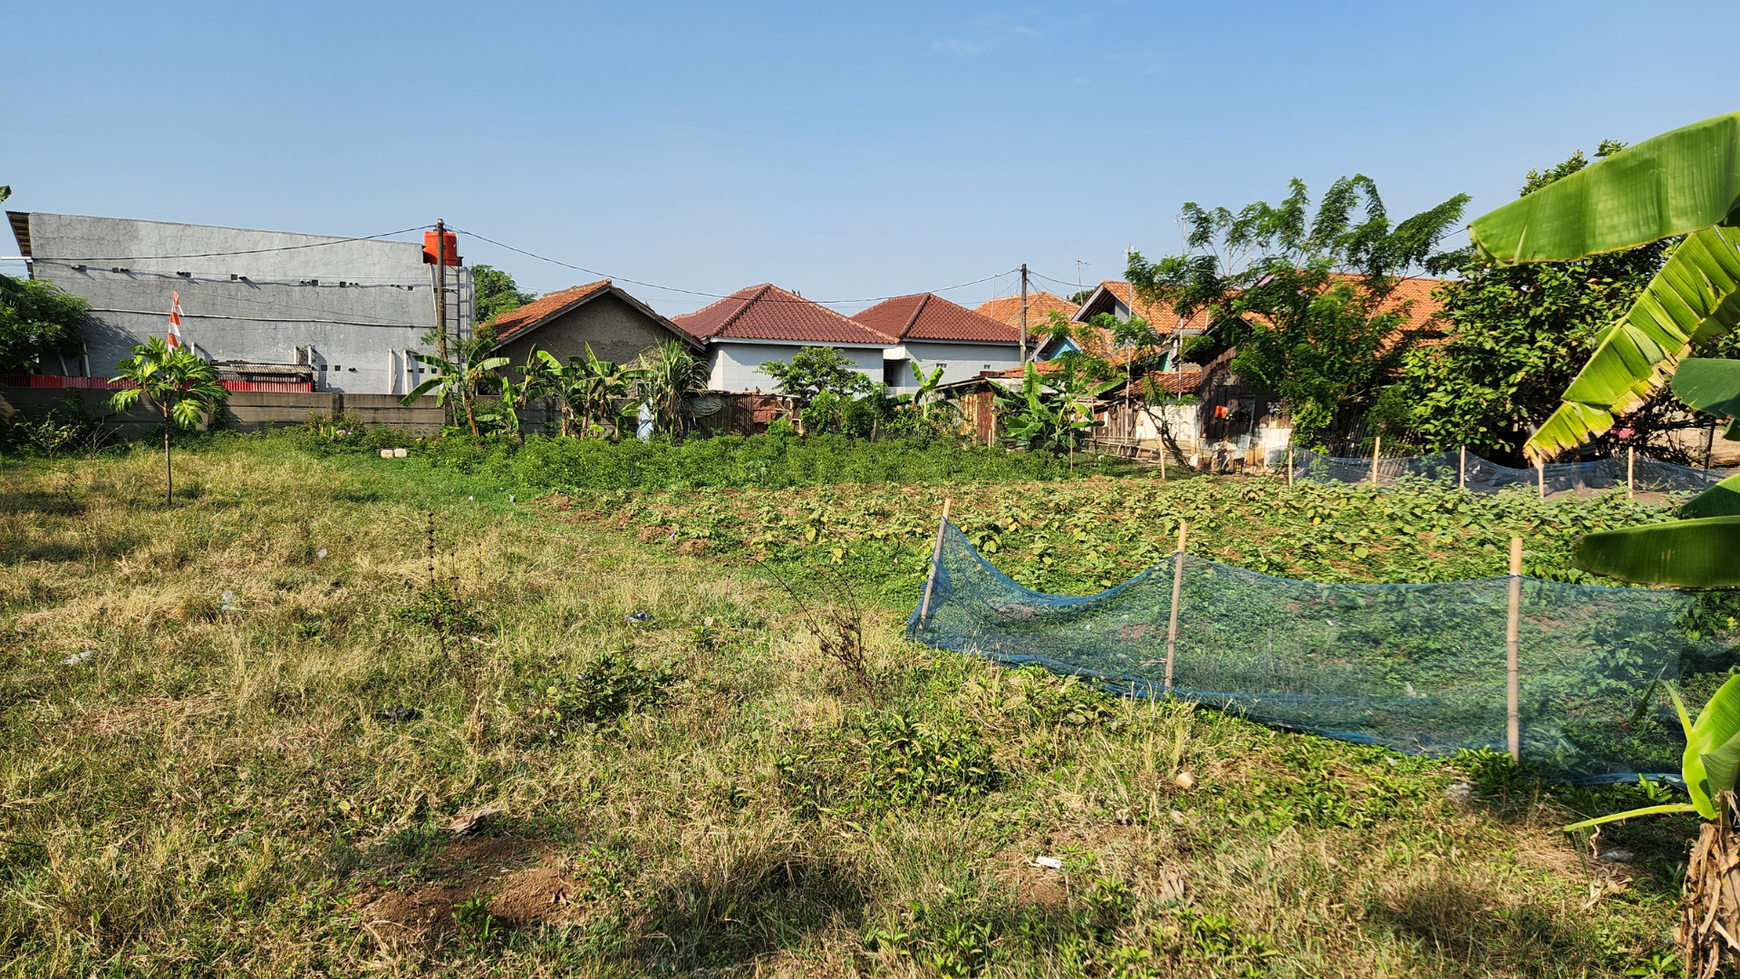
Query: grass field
x,y
236,732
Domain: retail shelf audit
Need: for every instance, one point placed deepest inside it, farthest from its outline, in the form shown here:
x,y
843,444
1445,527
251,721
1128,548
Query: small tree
x,y
589,388
36,321
183,387
455,380
495,292
664,382
818,373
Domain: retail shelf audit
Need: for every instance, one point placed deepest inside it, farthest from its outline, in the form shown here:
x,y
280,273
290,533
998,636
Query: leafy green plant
x,y
455,381
1051,412
665,380
37,321
183,387
607,687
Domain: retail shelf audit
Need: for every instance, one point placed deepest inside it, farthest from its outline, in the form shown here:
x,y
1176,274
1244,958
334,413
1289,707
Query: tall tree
x,y
37,321
181,385
1305,297
1520,334
494,292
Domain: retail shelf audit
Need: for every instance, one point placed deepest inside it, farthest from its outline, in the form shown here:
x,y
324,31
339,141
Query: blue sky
x,y
844,150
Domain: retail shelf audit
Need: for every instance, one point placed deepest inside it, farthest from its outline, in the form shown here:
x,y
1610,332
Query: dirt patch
x,y
694,546
493,868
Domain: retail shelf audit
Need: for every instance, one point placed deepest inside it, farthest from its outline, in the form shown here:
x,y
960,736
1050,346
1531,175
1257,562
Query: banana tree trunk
x,y
1710,905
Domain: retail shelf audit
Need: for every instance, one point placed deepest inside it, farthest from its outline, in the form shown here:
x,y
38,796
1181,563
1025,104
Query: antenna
x,y
1078,264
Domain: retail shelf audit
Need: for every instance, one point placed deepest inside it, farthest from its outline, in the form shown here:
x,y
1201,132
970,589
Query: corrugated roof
x,y
517,321
927,316
767,312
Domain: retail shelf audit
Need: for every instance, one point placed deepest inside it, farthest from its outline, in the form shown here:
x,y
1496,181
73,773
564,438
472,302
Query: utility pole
x,y
1023,314
441,288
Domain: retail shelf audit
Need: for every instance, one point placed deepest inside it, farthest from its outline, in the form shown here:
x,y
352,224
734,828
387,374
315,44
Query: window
x,y
895,373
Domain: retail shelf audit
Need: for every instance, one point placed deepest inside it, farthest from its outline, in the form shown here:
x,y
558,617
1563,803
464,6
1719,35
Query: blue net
x,y
1484,476
1418,668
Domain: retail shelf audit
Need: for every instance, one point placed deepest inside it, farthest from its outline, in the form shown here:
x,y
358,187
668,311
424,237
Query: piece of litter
x,y
1178,817
386,453
401,453
77,658
640,617
1392,762
471,498
1185,780
707,622
1050,862
396,714
510,497
1617,856
467,823
320,553
229,596
1459,792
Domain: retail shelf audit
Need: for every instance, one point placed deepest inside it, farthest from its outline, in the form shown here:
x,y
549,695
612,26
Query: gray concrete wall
x,y
736,365
357,306
615,329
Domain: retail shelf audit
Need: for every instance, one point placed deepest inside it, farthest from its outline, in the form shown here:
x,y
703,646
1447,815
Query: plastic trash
x,y
401,453
640,617
397,714
1459,792
77,658
1617,856
320,553
1185,781
386,453
1049,862
229,598
510,497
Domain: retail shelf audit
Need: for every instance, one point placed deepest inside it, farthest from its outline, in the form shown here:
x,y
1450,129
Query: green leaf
x,y
1710,385
1672,184
1684,553
1721,765
1695,298
1717,723
1720,500
420,390
1632,814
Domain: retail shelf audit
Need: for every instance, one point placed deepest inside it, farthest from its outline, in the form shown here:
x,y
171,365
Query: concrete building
x,y
932,333
343,313
600,315
766,323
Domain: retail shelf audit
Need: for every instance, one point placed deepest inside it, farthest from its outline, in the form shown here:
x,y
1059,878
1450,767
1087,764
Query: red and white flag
x,y
175,320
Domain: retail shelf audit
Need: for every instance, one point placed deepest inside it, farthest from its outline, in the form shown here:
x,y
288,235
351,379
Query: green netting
x,y
1419,668
1479,475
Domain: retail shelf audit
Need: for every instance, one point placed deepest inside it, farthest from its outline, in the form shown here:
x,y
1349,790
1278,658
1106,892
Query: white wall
x,y
736,364
964,360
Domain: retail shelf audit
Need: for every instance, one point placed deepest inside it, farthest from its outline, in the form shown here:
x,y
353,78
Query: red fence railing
x,y
104,384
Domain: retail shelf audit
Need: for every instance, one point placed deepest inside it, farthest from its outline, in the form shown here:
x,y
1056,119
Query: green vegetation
x,y
38,321
180,384
260,782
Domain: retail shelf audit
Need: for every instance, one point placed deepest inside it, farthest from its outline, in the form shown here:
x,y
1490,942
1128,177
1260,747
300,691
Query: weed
x,y
607,687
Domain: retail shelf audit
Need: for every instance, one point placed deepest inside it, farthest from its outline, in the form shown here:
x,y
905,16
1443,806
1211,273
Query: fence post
x,y
1631,473
1377,443
1289,463
1512,722
1462,469
1177,585
1541,475
935,556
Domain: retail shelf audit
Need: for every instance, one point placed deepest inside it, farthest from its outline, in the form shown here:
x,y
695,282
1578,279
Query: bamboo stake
x,y
1512,721
1377,443
1541,475
935,556
1289,464
1462,470
1631,473
1177,585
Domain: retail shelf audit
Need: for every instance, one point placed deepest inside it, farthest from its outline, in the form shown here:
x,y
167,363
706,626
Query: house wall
x,y
615,330
357,333
736,365
964,360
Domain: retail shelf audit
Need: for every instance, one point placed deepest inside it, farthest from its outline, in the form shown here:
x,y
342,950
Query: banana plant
x,y
454,382
926,402
1710,763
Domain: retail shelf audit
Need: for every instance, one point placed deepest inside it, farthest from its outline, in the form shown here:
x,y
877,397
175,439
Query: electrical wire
x,y
708,295
247,251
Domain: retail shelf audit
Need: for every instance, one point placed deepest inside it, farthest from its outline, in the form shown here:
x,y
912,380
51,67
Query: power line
x,y
708,295
247,251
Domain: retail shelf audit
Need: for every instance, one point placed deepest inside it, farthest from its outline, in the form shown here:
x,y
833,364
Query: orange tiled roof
x,y
767,312
927,316
1007,309
516,321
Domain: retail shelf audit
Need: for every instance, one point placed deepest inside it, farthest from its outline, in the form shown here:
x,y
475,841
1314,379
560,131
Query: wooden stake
x,y
1541,475
935,556
1289,464
1462,470
1377,443
1162,454
1177,586
1631,473
1512,721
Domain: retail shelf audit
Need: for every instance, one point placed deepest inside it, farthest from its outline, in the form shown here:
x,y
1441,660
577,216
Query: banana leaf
x,y
1702,553
1709,384
1673,184
1694,299
1720,500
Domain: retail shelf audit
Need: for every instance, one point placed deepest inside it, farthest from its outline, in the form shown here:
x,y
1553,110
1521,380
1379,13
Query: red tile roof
x,y
1007,309
517,321
767,312
927,316
1159,315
